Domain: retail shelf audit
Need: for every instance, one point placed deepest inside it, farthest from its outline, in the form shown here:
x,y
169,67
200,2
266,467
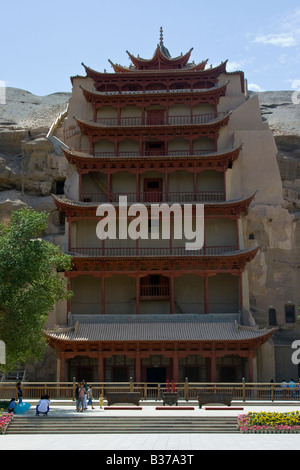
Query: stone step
x,y
159,425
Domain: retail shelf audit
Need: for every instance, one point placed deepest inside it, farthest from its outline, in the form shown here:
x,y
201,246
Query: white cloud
x,y
233,66
281,40
255,87
287,31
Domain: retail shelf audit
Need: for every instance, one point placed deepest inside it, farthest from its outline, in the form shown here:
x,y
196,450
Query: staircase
x,y
121,425
18,375
98,180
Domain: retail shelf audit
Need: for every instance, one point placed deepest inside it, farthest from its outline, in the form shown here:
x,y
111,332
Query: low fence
x,y
187,391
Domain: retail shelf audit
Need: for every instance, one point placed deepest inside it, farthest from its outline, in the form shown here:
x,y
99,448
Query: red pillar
x,y
171,294
175,366
62,366
137,294
137,367
100,367
250,365
213,372
206,297
103,295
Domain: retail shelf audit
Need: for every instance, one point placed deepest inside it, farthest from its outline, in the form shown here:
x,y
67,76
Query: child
x,y
43,405
90,396
11,405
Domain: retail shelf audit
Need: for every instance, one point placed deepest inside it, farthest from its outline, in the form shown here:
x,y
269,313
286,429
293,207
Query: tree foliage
x,y
30,284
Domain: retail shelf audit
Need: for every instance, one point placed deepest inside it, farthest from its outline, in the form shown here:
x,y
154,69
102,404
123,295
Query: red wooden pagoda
x,y
156,131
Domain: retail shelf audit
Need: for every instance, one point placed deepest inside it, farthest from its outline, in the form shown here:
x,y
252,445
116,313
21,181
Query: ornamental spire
x,y
161,42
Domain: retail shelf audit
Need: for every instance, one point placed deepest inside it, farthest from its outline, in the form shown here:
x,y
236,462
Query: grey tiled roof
x,y
161,330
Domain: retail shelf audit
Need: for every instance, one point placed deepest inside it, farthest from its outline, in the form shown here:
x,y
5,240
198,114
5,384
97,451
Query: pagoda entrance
x,y
120,374
156,374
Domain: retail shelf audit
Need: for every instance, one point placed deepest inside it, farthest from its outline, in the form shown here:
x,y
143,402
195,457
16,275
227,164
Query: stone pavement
x,y
155,442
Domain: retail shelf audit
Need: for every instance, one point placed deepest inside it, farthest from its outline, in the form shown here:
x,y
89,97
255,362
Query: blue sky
x,y
44,43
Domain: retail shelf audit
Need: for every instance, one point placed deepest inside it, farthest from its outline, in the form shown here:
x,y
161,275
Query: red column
x,y
137,294
166,187
137,187
108,186
79,185
175,366
213,371
62,366
137,367
171,294
206,296
241,290
103,295
69,221
250,365
100,367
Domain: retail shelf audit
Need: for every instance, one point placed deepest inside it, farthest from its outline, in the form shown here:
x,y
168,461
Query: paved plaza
x,y
155,442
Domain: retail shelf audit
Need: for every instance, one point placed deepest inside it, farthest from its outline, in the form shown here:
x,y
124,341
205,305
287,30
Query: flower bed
x,y
269,422
5,419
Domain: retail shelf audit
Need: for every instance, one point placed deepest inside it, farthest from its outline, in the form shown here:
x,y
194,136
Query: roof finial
x,y
161,36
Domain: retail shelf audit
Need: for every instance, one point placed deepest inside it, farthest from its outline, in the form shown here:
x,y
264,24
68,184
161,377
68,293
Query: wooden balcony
x,y
146,251
162,120
147,197
148,121
159,291
154,153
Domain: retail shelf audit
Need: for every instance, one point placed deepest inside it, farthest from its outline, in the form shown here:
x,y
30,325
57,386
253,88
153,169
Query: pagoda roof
x,y
123,69
176,328
92,128
95,96
200,69
161,60
231,261
88,209
210,160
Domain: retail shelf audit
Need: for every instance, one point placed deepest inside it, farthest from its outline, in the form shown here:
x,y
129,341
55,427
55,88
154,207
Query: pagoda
x,y
158,131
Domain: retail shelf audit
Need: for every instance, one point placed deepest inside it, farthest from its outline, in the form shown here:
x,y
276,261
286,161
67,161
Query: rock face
x,y
283,117
32,166
275,273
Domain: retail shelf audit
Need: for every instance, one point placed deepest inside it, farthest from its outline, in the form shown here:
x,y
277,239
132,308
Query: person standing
x,y
85,396
81,394
90,396
19,392
77,395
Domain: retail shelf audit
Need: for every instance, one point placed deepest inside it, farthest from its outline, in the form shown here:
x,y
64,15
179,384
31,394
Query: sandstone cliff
x,y
31,161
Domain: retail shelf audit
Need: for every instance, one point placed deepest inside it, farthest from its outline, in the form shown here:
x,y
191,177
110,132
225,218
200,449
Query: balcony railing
x,y
188,391
196,119
172,197
153,290
154,153
141,251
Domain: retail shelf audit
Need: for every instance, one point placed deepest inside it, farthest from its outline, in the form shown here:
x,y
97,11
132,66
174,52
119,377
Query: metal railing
x,y
152,391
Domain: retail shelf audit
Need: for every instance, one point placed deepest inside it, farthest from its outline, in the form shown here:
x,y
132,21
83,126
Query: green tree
x,y
30,284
